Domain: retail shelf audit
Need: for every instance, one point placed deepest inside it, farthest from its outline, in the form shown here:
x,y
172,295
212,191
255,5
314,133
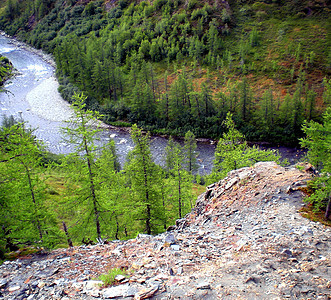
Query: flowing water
x,y
32,95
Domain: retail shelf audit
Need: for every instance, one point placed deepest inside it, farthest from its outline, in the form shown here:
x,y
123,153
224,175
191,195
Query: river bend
x,y
33,95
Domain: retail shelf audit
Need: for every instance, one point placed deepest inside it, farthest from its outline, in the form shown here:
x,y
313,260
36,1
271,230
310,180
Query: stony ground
x,y
46,101
244,240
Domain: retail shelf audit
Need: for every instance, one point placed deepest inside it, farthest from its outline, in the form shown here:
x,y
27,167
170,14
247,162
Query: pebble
x,y
233,244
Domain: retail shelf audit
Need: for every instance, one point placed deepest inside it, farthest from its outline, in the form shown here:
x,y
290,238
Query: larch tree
x,y
24,217
318,142
143,176
232,152
190,153
179,180
81,132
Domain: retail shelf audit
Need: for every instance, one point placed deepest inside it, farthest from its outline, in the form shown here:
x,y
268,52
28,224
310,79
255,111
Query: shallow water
x,y
33,71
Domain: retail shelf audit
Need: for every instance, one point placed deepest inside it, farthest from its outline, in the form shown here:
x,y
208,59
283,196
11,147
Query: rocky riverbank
x,y
46,102
44,56
245,239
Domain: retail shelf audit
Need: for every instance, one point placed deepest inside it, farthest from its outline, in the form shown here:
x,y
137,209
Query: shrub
x,y
109,278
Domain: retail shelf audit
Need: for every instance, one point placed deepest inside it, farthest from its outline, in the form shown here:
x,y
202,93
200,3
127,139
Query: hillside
x,y
5,70
245,239
174,66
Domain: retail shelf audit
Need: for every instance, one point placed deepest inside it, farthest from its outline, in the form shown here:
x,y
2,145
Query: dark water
x,y
33,70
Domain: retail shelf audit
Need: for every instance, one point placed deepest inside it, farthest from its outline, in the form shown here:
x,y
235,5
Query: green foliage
x,y
25,217
144,177
232,152
109,278
318,142
118,59
190,153
179,182
81,163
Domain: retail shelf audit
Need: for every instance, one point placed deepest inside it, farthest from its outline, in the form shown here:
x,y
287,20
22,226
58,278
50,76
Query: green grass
x,y
108,279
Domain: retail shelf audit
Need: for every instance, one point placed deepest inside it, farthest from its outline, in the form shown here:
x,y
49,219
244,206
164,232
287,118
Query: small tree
x,y
180,180
190,153
232,152
318,142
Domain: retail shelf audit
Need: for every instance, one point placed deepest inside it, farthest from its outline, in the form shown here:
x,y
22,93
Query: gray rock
x,y
3,283
203,285
175,247
116,291
170,239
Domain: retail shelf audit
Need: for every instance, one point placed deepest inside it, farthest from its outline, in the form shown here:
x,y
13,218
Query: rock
x,y
146,293
231,182
239,243
92,284
170,239
120,278
203,285
41,284
3,283
13,288
116,291
175,247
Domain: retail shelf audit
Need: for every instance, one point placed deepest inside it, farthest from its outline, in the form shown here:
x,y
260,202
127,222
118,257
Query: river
x,y
33,95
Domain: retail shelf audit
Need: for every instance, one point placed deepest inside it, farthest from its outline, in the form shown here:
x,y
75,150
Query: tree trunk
x,y
92,188
179,195
328,208
67,234
34,202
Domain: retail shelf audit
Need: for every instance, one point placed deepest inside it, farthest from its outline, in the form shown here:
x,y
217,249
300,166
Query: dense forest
x,y
177,66
85,196
231,70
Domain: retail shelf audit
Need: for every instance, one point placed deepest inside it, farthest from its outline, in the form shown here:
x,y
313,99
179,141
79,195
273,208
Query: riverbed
x,y
33,96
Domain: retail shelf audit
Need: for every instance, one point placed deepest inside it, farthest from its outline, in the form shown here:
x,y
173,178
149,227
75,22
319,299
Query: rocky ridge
x,y
244,240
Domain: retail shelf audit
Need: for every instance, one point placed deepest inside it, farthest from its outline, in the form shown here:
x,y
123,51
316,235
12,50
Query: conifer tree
x,y
190,154
24,218
318,142
143,175
232,152
179,180
113,192
81,163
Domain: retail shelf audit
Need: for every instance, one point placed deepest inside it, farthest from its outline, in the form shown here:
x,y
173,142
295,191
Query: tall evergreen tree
x,y
144,179
24,217
190,153
80,164
180,180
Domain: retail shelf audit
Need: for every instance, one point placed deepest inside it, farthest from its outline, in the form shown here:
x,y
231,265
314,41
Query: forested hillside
x,y
199,69
5,70
173,66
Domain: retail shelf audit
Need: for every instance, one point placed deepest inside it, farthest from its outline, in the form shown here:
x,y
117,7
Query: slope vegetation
x,y
255,247
173,66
